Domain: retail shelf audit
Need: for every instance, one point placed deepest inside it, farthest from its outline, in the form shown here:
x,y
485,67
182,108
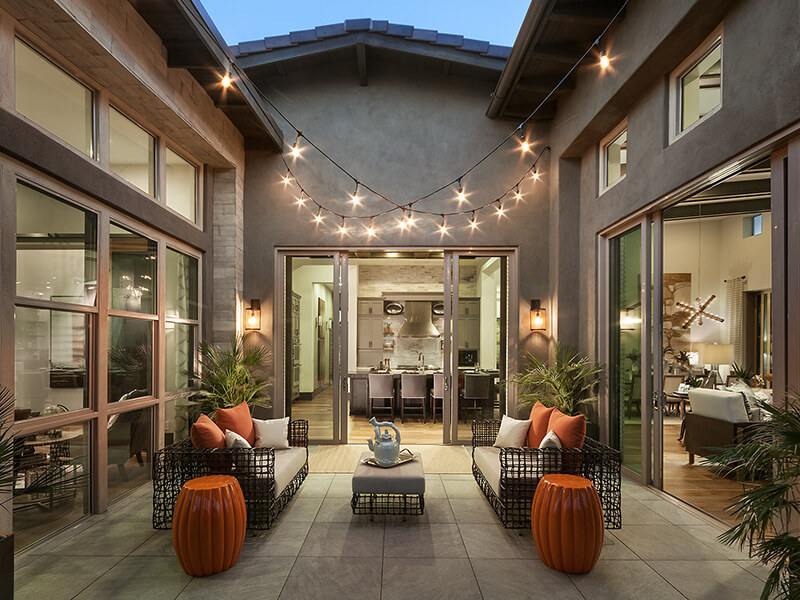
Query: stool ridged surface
x,y
567,523
209,524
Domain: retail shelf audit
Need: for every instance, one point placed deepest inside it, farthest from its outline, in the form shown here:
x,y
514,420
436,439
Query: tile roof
x,y
422,36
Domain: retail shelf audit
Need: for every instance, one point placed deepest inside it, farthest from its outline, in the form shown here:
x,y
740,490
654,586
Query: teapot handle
x,y
388,424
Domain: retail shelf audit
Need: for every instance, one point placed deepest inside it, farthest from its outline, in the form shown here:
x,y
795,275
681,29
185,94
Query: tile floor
x,y
457,549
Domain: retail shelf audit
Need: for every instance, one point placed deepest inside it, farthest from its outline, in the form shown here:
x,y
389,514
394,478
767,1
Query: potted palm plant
x,y
7,454
566,385
768,511
228,377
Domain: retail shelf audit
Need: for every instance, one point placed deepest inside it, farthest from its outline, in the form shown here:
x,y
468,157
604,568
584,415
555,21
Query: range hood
x,y
418,322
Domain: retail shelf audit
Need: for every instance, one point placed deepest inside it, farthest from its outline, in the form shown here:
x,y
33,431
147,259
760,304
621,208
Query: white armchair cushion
x,y
718,404
272,433
512,434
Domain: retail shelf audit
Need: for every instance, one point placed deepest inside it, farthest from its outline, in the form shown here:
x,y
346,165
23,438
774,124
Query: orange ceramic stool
x,y
567,523
208,524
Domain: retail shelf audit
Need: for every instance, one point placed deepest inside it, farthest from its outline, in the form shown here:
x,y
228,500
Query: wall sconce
x,y
538,316
252,316
628,321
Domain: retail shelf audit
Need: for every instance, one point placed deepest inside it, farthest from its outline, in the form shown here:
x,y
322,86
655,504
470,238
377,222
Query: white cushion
x,y
487,459
272,433
717,404
234,440
512,434
550,440
287,464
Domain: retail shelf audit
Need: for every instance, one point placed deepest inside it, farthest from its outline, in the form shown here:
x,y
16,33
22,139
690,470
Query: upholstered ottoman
x,y
396,490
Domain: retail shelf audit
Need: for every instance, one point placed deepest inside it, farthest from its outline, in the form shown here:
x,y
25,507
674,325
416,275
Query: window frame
x,y
610,137
716,38
72,73
198,178
195,323
156,151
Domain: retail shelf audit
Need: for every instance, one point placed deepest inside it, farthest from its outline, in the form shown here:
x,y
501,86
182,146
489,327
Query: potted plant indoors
x,y
768,511
228,377
566,385
7,454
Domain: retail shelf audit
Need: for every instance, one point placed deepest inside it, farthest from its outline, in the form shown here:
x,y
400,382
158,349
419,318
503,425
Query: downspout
x,y
529,33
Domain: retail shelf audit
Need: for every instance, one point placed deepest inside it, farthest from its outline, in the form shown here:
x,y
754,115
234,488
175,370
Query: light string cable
x,y
410,206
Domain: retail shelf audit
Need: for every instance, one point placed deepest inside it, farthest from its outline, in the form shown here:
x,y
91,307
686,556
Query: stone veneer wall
x,y
227,255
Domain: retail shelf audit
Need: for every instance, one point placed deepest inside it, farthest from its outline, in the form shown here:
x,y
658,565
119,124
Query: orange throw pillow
x,y
238,420
206,434
570,430
540,419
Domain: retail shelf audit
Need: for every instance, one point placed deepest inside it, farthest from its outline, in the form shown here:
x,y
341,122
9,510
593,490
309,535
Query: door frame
x,y
341,383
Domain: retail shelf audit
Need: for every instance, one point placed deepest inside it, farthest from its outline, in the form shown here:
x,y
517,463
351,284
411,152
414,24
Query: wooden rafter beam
x,y
361,57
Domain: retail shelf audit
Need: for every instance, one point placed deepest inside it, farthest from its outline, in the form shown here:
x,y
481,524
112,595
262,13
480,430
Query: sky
x,y
496,21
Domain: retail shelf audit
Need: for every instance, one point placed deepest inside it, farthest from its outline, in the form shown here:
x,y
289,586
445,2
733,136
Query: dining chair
x,y
476,392
381,387
437,396
672,404
413,387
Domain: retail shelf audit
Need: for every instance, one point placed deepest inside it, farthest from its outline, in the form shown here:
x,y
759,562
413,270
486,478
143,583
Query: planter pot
x,y
6,567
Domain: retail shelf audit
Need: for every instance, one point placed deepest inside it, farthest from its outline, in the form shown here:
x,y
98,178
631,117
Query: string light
x,y
226,80
301,199
343,228
296,146
409,207
354,197
287,179
461,196
443,226
403,222
371,228
524,145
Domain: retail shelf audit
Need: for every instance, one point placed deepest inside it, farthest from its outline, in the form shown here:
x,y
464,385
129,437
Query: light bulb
x,y
517,194
410,221
403,223
301,200
354,198
342,228
604,60
443,227
226,80
295,152
370,229
473,224
500,210
461,196
525,146
535,175
286,179
318,217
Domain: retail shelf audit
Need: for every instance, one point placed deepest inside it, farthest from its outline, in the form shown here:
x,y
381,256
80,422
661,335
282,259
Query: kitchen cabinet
x,y
369,332
371,307
469,324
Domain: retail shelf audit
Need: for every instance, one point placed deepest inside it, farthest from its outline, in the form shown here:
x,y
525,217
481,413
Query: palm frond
x,y
7,448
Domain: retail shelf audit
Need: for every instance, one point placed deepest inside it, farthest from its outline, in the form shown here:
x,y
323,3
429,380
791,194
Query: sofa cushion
x,y
487,459
288,463
551,441
237,419
719,404
540,424
234,440
206,434
512,434
272,433
570,430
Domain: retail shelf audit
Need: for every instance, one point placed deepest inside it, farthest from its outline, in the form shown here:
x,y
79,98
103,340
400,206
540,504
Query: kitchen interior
x,y
396,327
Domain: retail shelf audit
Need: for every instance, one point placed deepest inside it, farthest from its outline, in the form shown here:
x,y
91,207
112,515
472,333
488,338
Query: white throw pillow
x,y
512,434
234,440
550,441
272,433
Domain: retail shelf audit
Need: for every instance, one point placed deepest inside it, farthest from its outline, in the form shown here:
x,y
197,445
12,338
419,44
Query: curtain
x,y
734,316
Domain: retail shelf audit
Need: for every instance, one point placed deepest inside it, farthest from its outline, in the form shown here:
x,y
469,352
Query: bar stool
x,y
413,387
476,390
381,387
437,395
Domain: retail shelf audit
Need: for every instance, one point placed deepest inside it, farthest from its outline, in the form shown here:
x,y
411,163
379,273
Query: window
x,y
614,156
181,183
130,358
132,152
129,456
56,249
181,317
697,85
753,225
51,98
181,285
133,271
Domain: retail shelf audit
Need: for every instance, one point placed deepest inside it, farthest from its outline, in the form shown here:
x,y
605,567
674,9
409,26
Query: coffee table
x,y
396,490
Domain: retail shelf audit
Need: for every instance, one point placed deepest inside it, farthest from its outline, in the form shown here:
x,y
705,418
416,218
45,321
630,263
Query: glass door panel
x,y
625,364
310,357
480,341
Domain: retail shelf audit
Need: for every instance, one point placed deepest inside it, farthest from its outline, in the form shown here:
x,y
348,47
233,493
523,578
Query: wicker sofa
x,y
269,478
508,476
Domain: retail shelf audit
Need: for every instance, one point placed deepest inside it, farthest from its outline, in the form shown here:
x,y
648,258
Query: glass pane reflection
x,y
133,271
130,358
129,456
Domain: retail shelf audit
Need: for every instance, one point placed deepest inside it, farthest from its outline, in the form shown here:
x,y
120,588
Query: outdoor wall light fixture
x,y
538,316
252,316
226,80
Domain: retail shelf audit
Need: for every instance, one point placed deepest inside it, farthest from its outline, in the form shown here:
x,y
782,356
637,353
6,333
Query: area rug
x,y
436,459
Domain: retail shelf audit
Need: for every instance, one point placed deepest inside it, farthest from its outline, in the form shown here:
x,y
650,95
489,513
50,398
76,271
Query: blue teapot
x,y
385,448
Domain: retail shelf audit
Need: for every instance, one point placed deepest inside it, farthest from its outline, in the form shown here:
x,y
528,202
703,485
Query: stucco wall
x,y
409,131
